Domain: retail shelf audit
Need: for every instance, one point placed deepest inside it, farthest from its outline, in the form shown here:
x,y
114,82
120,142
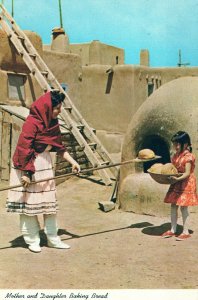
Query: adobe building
x,y
106,91
110,92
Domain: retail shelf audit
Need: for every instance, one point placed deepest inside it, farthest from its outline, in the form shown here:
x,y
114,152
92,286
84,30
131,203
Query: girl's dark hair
x,y
56,97
182,138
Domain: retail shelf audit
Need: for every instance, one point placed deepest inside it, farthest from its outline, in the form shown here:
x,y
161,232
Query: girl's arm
x,y
75,165
174,179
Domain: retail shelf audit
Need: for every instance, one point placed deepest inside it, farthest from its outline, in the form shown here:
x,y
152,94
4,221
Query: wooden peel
x,y
81,172
138,160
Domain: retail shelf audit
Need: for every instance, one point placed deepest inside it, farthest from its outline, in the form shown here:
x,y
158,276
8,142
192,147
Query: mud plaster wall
x,y
82,51
98,53
32,90
171,108
108,101
107,98
67,69
9,58
12,63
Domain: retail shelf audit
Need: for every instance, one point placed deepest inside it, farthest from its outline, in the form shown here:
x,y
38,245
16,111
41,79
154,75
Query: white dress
x,y
37,198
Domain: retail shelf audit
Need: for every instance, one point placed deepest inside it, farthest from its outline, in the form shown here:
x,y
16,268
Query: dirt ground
x,y
114,250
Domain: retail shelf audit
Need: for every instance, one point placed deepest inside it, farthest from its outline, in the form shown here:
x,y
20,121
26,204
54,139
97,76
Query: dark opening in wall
x,y
159,146
150,88
16,88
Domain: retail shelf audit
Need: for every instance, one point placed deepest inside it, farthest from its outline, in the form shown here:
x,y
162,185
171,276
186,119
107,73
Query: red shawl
x,y
38,131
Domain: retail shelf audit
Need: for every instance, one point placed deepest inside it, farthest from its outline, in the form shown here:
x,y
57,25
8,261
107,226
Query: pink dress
x,y
183,193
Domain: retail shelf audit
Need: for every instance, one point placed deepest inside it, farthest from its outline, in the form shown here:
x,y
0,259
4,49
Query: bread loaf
x,y
146,154
156,168
169,169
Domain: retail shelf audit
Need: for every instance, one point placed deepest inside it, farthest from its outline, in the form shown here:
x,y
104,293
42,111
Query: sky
x,y
161,26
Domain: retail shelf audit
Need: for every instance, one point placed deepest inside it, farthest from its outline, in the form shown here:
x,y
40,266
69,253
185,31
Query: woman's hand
x,y
75,168
75,165
25,180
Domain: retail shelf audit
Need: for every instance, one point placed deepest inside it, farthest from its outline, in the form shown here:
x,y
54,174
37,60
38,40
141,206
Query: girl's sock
x,y
185,214
174,216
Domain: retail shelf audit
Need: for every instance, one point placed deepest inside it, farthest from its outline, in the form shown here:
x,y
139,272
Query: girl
x,y
32,161
182,191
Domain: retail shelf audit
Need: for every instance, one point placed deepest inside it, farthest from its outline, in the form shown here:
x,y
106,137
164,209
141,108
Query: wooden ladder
x,y
84,135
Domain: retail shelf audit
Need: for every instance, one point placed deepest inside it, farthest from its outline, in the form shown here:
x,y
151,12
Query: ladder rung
x,y
80,126
69,108
105,163
55,90
94,145
45,73
82,147
32,55
21,37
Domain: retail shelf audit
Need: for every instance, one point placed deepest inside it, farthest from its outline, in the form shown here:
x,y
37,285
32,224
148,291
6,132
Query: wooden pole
x,y
12,8
136,160
60,12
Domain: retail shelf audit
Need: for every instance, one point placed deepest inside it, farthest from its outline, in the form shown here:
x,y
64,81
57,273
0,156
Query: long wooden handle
x,y
81,172
66,175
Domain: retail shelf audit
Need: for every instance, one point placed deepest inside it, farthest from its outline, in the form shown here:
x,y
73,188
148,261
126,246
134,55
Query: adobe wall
x,y
67,69
107,94
32,89
98,53
82,50
12,63
9,58
109,100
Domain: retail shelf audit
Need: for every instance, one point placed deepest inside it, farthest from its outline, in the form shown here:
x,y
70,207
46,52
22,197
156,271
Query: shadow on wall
x,y
32,91
109,80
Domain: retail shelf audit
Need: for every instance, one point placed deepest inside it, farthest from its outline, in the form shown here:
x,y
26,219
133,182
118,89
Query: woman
x,y
32,161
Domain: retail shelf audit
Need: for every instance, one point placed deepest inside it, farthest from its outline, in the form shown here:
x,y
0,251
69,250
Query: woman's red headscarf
x,y
38,131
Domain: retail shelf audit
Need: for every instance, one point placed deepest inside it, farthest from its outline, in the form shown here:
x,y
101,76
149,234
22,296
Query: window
x,y
150,88
16,90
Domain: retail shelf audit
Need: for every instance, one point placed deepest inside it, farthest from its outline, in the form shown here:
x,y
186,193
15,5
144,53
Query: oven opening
x,y
159,146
